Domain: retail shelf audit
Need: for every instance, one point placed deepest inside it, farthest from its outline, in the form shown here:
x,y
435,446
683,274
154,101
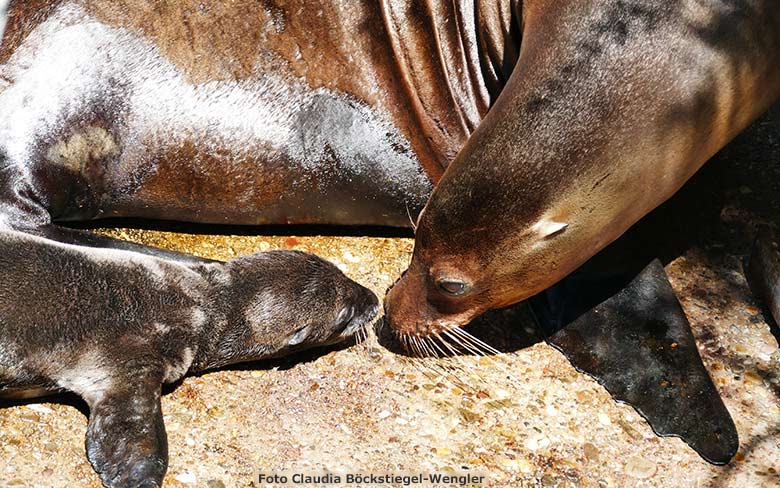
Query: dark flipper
x,y
126,441
763,273
639,346
26,204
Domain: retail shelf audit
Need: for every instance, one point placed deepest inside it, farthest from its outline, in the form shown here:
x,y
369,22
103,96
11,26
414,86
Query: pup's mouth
x,y
358,323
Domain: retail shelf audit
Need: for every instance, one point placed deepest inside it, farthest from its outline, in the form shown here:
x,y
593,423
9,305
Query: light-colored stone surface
x,y
527,420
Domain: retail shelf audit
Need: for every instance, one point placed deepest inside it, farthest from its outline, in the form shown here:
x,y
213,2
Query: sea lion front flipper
x,y
639,346
21,209
126,440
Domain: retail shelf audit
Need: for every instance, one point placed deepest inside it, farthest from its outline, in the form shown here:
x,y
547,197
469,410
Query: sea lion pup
x,y
146,321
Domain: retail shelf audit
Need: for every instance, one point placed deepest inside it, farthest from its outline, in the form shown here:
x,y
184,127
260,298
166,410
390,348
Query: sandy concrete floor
x,y
528,419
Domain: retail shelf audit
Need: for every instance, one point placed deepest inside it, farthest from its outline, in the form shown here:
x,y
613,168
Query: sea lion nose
x,y
367,302
405,306
362,310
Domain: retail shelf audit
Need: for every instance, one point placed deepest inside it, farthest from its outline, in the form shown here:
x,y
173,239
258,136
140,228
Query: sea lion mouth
x,y
358,326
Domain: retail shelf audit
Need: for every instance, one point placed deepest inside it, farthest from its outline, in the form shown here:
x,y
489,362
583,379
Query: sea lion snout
x,y
362,307
280,302
366,310
414,309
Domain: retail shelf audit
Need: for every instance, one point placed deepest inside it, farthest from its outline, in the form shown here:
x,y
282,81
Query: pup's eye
x,y
452,287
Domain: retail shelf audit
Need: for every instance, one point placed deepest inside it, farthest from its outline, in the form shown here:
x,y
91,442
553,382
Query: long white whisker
x,y
463,344
408,344
476,341
433,362
418,347
411,220
425,341
444,354
464,366
497,357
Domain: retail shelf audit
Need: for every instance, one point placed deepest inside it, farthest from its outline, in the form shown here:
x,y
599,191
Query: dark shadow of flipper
x,y
763,274
126,440
639,346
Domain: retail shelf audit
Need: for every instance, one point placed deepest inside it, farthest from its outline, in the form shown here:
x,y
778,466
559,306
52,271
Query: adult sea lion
x,y
146,321
611,107
592,132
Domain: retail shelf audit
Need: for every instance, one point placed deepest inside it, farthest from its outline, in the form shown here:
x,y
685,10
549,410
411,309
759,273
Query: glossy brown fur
x,y
611,108
326,43
23,17
430,70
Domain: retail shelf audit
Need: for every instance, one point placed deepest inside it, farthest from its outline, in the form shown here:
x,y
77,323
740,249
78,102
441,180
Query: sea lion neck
x,y
472,59
214,329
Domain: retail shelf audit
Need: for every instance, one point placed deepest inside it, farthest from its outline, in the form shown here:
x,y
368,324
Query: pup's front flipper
x,y
126,441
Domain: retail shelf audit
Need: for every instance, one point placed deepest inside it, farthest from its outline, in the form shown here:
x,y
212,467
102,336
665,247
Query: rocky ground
x,y
522,419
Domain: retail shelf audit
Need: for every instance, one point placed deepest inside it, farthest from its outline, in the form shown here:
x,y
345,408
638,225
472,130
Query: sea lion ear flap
x,y
549,228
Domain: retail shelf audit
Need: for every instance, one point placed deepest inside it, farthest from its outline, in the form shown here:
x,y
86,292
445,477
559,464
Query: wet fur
x,y
203,105
144,321
612,106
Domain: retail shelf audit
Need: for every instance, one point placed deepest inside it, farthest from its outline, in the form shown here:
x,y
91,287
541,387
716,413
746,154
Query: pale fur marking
x,y
548,228
199,318
93,144
89,378
161,328
174,371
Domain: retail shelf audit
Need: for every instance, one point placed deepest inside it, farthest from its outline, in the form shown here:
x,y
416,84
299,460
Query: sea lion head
x,y
505,222
285,301
596,126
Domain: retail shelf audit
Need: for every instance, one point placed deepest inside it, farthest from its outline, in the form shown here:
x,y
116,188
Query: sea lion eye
x,y
452,287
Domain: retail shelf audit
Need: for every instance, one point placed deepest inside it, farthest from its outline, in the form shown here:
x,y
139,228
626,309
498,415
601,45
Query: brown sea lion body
x,y
592,131
244,112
